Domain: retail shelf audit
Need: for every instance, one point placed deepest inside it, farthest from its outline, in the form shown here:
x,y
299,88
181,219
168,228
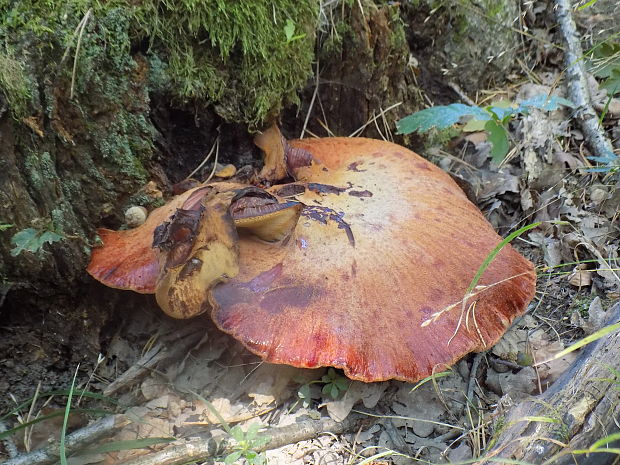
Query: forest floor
x,y
176,381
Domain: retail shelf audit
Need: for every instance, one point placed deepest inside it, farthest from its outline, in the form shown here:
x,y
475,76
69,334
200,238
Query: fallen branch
x,y
577,83
74,441
209,448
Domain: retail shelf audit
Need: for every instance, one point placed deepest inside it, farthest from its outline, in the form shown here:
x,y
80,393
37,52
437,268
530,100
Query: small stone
x,y
598,195
135,216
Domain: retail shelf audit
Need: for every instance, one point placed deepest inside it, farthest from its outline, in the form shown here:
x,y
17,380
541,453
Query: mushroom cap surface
x,y
373,276
128,260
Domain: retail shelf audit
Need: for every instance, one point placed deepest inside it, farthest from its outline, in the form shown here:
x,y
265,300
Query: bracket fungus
x,y
361,262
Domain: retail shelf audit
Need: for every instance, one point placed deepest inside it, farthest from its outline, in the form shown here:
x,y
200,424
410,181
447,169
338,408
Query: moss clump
x,y
14,85
234,54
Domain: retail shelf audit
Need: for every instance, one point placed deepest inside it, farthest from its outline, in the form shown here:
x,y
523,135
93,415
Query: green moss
x,y
440,137
233,54
14,84
40,169
230,53
144,200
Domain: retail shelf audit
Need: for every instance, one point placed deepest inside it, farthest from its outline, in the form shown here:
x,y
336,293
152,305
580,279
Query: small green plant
x,y
335,383
5,226
492,118
247,442
32,240
289,32
603,61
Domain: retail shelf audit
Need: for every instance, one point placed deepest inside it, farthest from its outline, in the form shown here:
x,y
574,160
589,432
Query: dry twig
x,y
577,83
76,440
201,449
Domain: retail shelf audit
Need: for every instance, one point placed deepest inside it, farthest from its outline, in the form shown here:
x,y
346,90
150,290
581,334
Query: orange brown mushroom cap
x,y
373,249
385,242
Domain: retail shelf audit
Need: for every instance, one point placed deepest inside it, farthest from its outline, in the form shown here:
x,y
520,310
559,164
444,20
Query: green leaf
x,y
326,389
260,441
612,83
304,392
431,377
232,458
252,431
334,391
4,226
499,141
237,433
342,383
32,240
586,5
582,342
489,258
544,102
63,431
440,117
289,29
502,110
474,125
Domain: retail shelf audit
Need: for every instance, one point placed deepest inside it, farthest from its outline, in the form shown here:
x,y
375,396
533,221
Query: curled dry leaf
x,y
361,263
581,276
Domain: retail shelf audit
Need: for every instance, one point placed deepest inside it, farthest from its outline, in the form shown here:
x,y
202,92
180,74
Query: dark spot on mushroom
x,y
398,155
422,166
426,313
265,279
193,265
364,193
325,188
278,300
289,190
354,268
325,214
353,167
110,273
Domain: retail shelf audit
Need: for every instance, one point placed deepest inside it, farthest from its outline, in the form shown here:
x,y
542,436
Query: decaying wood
x,y
577,83
208,448
76,440
581,407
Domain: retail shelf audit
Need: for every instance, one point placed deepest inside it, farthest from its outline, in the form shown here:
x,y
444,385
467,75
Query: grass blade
x,y
582,342
63,432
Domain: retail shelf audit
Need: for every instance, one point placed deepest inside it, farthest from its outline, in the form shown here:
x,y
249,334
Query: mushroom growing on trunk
x,y
361,263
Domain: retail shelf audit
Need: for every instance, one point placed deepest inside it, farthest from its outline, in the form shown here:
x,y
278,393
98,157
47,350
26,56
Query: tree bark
x,y
580,408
